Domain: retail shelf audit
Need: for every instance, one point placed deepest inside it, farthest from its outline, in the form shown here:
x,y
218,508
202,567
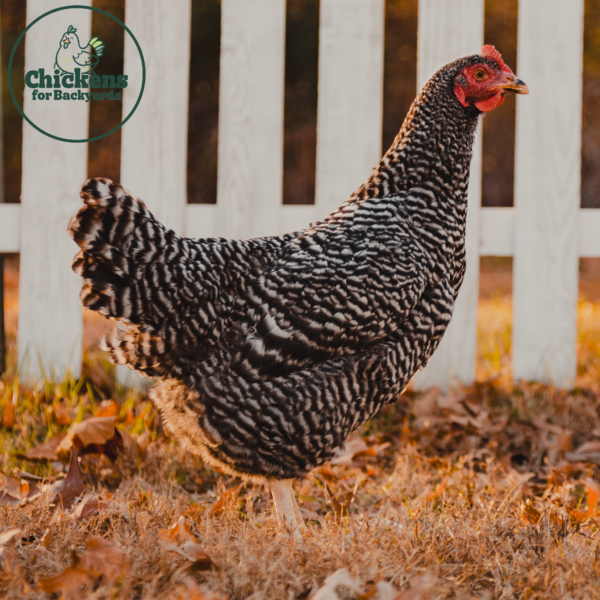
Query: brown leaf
x,y
372,451
200,560
328,472
69,583
179,532
355,448
178,538
64,491
60,415
108,408
19,489
88,507
47,539
46,451
10,484
94,435
564,440
563,472
7,499
419,589
8,420
529,513
352,445
589,447
588,509
341,578
103,559
226,498
7,550
586,457
8,535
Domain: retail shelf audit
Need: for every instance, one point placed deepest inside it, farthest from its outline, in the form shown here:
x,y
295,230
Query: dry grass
x,y
478,495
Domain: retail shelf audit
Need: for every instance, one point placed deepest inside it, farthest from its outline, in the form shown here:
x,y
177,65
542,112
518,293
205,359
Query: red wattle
x,y
460,95
490,103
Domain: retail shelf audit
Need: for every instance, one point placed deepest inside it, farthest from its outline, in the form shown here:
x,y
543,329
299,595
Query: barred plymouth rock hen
x,y
269,352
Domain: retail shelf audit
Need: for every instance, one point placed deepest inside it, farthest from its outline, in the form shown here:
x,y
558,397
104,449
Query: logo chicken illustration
x,y
72,55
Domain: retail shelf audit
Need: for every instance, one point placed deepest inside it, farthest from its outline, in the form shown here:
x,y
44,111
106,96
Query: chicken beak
x,y
512,84
66,41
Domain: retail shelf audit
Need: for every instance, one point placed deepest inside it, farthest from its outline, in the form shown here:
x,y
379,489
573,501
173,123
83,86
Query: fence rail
x,y
546,232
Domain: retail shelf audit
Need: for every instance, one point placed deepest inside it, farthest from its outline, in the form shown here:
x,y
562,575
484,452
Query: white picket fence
x,y
546,232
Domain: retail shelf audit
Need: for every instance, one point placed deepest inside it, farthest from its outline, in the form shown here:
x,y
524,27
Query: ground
x,y
485,492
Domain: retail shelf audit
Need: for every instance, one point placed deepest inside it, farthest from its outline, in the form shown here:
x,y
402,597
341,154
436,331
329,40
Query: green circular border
x,y
12,93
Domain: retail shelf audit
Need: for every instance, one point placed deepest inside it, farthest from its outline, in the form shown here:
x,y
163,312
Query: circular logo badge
x,y
70,73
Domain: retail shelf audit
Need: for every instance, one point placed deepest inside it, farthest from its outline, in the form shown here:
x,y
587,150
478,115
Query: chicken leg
x,y
286,508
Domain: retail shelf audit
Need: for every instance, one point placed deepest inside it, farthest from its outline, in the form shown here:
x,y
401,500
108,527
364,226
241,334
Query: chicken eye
x,y
480,74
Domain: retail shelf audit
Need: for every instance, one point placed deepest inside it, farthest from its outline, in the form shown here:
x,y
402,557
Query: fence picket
x,y
50,316
350,107
154,140
250,167
547,190
449,30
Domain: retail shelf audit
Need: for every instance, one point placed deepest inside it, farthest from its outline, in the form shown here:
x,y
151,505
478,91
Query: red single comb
x,y
491,52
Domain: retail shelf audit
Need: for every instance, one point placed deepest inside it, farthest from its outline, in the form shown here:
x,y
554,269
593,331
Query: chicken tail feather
x,y
124,261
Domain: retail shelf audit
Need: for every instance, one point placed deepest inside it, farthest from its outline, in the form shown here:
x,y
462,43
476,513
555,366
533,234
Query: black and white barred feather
x,y
269,352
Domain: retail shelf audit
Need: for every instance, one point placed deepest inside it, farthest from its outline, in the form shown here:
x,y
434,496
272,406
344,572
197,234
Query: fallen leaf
x,y
7,550
177,532
108,408
382,591
64,491
8,535
529,513
418,588
589,447
97,435
564,440
47,539
354,448
27,476
178,538
46,451
586,457
200,560
372,450
61,417
588,509
593,493
8,420
328,472
351,447
10,484
225,498
69,583
88,507
103,559
340,578
563,472
7,499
